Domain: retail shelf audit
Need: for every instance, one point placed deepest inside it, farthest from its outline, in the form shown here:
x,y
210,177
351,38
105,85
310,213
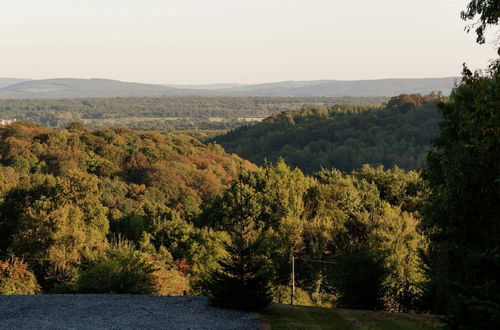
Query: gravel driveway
x,y
117,312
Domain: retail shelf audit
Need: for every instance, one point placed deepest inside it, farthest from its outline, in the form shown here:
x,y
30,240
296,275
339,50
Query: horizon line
x,y
234,83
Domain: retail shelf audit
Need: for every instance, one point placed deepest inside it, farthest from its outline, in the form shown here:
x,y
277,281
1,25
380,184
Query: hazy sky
x,y
246,41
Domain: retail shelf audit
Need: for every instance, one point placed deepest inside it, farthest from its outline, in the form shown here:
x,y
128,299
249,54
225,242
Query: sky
x,y
237,41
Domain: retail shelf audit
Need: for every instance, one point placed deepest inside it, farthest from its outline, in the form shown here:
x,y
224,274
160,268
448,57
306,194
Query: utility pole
x,y
293,278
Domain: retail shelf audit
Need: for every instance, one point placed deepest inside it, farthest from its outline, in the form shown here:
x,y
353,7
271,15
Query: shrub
x,y
122,269
282,295
16,278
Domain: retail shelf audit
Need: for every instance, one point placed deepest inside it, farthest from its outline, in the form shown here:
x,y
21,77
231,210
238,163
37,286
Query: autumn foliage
x,y
16,278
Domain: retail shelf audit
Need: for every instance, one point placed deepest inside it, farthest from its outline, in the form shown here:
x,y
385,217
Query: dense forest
x,y
65,193
117,210
163,113
343,136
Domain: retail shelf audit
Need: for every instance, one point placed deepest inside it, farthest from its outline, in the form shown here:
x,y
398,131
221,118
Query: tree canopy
x,y
118,210
343,137
489,15
464,210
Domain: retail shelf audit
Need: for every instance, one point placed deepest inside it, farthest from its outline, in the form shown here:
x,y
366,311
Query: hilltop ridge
x,y
12,88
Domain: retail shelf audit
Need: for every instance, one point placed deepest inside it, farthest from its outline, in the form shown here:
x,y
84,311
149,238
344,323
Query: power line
x,y
315,260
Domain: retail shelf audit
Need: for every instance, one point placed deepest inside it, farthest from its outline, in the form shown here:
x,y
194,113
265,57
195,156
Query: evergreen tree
x,y
243,280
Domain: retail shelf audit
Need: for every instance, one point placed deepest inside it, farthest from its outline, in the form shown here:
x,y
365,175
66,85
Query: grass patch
x,y
305,317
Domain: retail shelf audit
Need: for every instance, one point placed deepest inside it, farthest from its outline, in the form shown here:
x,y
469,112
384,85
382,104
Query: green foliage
x,y
62,190
462,216
193,216
205,250
243,280
343,137
396,186
359,279
396,236
123,269
180,113
56,222
283,295
477,306
326,216
16,278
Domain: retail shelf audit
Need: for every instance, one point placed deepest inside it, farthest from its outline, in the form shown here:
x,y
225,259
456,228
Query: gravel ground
x,y
117,312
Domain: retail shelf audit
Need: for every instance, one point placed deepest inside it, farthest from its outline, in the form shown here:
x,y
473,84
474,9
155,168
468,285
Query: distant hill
x,y
82,88
208,86
78,88
338,88
4,82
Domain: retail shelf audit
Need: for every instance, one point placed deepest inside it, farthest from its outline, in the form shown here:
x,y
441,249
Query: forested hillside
x,y
343,137
64,193
123,211
160,113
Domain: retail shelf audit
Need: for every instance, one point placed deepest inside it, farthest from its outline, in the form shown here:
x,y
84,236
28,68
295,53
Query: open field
x,y
302,317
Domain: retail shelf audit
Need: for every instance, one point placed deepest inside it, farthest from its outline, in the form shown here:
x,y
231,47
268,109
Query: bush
x,y
282,295
16,278
124,270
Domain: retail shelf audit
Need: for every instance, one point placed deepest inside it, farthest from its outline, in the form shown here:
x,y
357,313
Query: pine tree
x,y
243,280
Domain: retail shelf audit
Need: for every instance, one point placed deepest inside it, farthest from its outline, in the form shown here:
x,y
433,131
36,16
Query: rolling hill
x,y
338,88
77,88
5,82
81,88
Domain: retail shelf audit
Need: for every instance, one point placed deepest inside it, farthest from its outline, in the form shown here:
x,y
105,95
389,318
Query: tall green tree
x,y
243,280
463,217
464,212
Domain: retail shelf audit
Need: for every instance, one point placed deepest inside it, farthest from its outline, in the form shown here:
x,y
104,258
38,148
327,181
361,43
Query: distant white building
x,y
6,121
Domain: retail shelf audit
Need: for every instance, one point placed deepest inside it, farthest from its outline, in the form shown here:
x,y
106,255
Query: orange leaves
x,y
16,278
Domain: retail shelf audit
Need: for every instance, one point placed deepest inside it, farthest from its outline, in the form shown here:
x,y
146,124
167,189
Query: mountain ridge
x,y
96,87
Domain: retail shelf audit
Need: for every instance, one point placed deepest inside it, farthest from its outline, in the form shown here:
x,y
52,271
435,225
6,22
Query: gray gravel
x,y
118,312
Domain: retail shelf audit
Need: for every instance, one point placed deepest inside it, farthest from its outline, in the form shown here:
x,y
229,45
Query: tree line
x,y
343,136
162,113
